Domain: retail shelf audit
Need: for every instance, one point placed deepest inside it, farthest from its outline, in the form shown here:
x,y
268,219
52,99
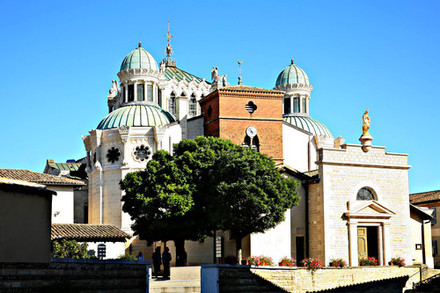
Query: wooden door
x,y
362,242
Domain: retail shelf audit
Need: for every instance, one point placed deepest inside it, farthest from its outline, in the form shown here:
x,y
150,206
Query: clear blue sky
x,y
58,59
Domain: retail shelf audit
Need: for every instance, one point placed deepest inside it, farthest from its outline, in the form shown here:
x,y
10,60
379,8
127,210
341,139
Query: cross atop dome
x,y
169,49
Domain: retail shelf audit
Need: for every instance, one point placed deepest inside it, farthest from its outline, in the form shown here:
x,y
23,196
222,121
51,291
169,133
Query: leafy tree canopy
x,y
209,184
69,249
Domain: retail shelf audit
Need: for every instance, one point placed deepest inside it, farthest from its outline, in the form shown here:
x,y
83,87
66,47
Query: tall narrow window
x,y
123,95
149,92
192,106
159,97
172,104
296,104
140,91
303,105
287,106
130,92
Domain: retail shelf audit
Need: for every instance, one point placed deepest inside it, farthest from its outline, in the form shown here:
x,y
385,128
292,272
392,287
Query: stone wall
x,y
77,276
302,280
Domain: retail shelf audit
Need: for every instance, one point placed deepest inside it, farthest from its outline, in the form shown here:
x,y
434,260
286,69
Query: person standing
x,y
140,256
156,261
166,259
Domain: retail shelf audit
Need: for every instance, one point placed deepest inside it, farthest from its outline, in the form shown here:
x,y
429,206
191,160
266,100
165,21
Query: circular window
x,y
365,194
142,153
113,155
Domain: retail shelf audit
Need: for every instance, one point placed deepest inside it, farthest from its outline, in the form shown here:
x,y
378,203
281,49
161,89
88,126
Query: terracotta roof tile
x,y
35,177
424,196
88,232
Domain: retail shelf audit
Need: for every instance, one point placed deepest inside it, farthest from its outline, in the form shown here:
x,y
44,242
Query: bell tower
x,y
248,116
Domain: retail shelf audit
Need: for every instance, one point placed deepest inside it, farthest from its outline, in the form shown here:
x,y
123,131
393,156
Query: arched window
x,y
172,103
254,143
365,194
192,106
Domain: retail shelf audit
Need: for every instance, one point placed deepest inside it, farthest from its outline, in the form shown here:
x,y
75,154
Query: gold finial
x,y
169,49
140,44
365,123
291,61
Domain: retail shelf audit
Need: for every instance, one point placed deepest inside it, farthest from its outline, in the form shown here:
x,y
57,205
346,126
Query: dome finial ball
x,y
291,61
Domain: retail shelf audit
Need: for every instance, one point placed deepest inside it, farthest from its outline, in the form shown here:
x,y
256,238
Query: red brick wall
x,y
229,118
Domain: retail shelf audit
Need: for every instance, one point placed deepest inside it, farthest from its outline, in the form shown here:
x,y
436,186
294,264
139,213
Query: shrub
x,y
259,260
398,261
69,249
368,261
337,263
312,264
231,259
127,257
287,262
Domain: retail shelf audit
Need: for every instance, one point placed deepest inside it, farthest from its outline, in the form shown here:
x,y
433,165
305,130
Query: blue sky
x,y
59,58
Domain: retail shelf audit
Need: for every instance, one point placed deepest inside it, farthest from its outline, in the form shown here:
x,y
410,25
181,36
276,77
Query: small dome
x,y
292,74
137,115
139,58
309,124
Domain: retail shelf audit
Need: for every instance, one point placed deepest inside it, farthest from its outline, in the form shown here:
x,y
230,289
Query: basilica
x,y
354,197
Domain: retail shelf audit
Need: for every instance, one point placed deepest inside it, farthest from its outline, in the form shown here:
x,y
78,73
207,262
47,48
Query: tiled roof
x,y
306,177
35,177
24,186
180,74
64,166
424,197
88,232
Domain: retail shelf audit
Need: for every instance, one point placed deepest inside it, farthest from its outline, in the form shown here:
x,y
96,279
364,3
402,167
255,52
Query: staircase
x,y
182,279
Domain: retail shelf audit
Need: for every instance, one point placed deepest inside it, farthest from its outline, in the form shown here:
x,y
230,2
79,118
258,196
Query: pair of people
x,y
157,260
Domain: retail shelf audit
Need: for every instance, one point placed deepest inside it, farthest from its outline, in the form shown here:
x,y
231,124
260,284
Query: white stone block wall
x,y
343,173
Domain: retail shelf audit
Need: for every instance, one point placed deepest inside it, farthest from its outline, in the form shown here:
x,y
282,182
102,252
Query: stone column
x,y
353,244
386,242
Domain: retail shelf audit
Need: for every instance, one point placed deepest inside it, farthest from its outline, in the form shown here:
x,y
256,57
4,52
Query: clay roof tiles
x,y
88,232
40,178
422,197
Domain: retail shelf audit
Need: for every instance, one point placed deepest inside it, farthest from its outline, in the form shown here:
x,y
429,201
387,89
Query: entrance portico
x,y
368,230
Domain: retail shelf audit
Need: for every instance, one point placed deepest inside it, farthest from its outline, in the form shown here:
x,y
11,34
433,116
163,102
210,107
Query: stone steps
x,y
171,286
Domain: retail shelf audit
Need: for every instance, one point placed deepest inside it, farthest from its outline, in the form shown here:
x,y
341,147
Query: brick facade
x,y
226,117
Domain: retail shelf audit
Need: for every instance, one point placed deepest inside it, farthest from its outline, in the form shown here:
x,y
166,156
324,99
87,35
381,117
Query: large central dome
x,y
139,58
137,115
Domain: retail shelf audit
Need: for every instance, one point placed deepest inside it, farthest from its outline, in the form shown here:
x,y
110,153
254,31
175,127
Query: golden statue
x,y
365,123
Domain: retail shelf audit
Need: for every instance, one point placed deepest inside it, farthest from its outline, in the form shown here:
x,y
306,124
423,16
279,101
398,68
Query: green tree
x,y
209,184
160,202
69,249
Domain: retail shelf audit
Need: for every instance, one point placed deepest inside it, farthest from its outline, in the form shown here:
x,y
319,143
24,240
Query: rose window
x,y
113,155
142,153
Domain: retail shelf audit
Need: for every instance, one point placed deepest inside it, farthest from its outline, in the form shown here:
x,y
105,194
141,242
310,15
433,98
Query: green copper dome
x,y
292,74
309,124
139,58
137,115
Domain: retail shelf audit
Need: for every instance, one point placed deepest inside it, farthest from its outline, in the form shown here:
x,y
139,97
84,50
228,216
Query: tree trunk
x,y
239,250
180,252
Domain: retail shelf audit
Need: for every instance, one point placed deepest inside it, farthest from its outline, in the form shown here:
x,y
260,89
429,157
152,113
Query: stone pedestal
x,y
366,140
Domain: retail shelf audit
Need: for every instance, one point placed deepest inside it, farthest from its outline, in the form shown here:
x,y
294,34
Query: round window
x,y
365,194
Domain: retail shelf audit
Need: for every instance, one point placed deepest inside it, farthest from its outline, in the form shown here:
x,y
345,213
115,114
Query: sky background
x,y
59,58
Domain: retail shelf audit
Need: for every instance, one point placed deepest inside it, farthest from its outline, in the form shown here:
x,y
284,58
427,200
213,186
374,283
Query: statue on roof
x,y
214,74
162,67
365,123
113,91
224,81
